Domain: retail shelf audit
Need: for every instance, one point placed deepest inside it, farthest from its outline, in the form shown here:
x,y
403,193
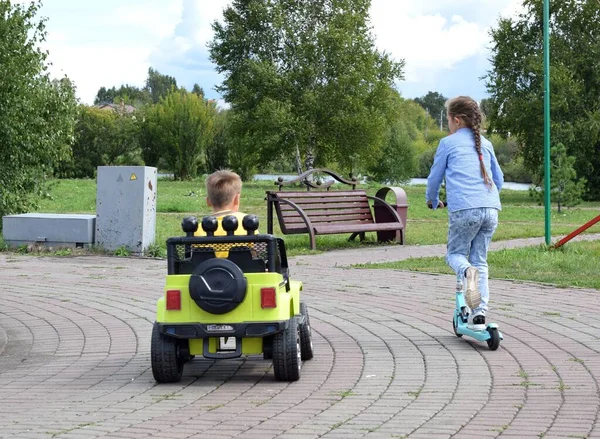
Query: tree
x,y
217,151
38,114
304,78
397,160
102,138
159,85
434,103
565,189
130,94
486,106
516,87
177,130
197,90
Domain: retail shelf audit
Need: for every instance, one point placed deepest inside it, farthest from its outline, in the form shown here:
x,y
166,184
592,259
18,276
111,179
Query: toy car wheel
x,y
287,360
455,326
167,364
494,341
306,343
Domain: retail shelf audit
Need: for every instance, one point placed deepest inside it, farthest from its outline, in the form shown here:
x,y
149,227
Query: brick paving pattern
x,y
75,363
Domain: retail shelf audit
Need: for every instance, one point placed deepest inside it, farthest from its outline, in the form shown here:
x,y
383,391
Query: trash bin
x,y
383,215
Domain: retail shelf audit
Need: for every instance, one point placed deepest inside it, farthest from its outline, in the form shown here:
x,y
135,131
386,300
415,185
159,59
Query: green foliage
x,y
178,129
304,77
508,154
158,85
197,90
103,138
516,171
217,151
426,162
155,251
37,114
397,159
565,189
130,94
3,245
515,83
122,251
434,104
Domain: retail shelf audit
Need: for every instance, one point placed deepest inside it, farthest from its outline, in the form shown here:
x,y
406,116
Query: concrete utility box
x,y
49,229
126,207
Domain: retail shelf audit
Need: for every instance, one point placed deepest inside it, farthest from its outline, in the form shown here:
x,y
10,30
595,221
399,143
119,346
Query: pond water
x,y
411,182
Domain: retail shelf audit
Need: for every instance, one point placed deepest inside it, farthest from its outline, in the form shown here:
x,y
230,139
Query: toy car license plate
x,y
219,328
227,344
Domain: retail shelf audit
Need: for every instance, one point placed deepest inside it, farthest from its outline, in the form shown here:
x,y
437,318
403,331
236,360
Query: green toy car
x,y
228,296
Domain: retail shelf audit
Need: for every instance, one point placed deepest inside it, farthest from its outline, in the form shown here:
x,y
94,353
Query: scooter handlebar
x,y
431,206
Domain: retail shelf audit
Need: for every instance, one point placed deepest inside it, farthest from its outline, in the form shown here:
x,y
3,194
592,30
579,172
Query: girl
x,y
473,182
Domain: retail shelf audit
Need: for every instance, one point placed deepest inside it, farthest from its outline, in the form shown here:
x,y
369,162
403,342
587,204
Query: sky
x,y
445,43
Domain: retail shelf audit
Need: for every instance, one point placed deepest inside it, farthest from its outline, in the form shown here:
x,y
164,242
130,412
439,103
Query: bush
x,y
425,162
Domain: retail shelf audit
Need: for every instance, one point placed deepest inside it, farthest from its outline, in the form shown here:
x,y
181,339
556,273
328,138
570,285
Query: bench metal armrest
x,y
388,207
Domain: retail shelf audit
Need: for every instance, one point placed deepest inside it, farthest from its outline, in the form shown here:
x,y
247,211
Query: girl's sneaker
x,y
476,321
472,294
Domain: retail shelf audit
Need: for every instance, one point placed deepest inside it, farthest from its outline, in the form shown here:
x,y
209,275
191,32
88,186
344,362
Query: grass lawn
x,y
574,264
521,217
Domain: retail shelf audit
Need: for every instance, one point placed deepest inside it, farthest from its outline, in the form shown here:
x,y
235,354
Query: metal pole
x,y
547,119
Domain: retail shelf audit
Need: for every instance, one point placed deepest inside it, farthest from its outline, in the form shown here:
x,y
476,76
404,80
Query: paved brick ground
x,y
75,340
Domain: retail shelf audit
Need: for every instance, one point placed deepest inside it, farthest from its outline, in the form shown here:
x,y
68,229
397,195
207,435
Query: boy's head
x,y
223,189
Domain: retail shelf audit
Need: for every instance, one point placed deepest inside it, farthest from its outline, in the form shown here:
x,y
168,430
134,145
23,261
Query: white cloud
x,y
113,42
106,45
192,32
156,19
429,39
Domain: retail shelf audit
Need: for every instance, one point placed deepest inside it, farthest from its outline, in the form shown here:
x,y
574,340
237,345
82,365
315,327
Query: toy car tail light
x,y
268,298
173,300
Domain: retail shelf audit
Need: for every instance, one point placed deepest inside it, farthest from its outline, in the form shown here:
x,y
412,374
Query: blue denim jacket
x,y
457,160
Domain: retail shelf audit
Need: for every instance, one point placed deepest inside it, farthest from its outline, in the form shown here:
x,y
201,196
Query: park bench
x,y
318,210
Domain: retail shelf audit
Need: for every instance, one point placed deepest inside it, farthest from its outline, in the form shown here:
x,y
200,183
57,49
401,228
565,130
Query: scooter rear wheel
x,y
455,326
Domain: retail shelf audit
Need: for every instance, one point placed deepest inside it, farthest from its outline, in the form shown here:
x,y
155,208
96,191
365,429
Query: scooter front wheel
x,y
494,341
455,326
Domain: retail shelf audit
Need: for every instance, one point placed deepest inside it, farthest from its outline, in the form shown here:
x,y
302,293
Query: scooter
x,y
491,334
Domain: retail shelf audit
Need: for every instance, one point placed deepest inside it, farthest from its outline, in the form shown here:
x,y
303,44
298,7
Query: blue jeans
x,y
470,232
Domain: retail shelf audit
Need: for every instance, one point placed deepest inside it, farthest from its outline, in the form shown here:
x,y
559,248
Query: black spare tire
x,y
217,286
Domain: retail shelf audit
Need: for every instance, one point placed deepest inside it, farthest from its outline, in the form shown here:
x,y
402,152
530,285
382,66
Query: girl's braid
x,y
476,128
467,109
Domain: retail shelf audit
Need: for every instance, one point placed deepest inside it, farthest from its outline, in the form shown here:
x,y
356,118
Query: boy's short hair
x,y
222,186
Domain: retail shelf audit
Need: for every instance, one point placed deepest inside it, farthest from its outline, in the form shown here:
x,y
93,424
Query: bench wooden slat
x,y
292,214
327,219
351,228
330,201
333,194
326,206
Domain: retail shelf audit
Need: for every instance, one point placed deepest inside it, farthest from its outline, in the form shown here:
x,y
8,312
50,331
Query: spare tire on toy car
x,y
217,286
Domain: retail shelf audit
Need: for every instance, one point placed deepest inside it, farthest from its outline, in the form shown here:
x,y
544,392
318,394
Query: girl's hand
x,y
441,204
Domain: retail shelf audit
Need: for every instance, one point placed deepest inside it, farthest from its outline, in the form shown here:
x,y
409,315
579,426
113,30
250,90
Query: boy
x,y
223,191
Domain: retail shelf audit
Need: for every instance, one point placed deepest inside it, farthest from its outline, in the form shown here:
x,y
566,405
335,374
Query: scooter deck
x,y
477,335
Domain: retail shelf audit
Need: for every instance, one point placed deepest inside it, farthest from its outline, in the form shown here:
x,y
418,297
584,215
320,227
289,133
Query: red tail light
x,y
268,298
173,300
